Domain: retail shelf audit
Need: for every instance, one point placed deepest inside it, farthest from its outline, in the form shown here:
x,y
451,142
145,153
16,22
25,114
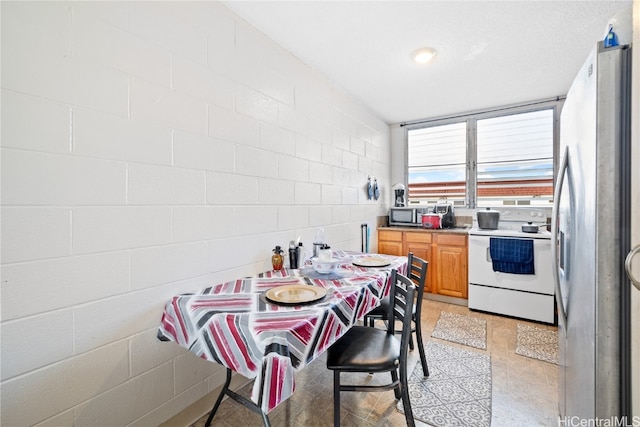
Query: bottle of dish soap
x,y
611,39
277,259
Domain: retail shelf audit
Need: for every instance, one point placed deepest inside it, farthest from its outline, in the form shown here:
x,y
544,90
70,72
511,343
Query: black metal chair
x,y
417,272
369,350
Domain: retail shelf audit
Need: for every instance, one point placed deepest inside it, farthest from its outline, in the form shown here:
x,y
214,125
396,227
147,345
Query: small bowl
x,y
324,267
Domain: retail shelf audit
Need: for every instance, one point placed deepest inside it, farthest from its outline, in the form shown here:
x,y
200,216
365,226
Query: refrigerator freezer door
x,y
577,227
588,232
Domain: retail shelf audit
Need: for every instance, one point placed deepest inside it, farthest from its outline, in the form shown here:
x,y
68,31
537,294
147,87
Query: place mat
x,y
537,343
338,273
457,391
461,329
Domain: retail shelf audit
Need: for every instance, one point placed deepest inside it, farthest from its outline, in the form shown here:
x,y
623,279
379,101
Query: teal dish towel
x,y
513,256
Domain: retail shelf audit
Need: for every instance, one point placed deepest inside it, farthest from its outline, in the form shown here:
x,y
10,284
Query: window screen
x,y
515,159
437,163
495,158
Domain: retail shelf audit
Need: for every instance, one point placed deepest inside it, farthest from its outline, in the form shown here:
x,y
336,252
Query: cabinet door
x,y
452,271
422,250
420,245
390,248
390,242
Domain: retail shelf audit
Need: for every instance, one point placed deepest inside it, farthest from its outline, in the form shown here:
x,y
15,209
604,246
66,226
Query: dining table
x,y
260,328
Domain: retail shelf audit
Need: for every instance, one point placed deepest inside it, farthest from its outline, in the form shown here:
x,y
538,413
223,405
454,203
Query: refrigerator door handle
x,y
564,165
627,266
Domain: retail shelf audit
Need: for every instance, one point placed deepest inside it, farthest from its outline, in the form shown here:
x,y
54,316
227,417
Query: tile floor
x,y
524,390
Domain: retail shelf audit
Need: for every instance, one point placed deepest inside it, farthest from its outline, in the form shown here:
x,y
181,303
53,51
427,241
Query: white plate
x,y
371,262
295,294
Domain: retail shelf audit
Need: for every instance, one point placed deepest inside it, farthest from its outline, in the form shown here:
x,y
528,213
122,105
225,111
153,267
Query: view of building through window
x,y
437,163
515,159
509,160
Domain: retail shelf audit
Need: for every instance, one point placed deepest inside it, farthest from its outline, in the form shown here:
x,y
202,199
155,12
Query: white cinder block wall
x,y
150,149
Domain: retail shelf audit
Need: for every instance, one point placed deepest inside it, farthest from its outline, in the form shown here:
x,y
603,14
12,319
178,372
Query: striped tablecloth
x,y
234,325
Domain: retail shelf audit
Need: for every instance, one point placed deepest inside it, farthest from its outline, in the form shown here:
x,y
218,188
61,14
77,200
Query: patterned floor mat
x,y
461,329
458,390
537,343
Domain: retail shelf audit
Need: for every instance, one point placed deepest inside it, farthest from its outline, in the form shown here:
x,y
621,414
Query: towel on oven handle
x,y
513,256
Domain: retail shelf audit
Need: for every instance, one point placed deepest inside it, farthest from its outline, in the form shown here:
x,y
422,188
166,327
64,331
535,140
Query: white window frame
x,y
471,119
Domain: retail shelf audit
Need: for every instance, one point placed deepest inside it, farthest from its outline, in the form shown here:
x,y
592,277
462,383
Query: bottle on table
x,y
277,259
318,241
301,255
293,255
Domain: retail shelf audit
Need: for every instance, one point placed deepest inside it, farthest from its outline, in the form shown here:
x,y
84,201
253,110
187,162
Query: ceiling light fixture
x,y
424,55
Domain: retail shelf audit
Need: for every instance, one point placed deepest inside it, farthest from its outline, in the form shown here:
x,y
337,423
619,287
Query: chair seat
x,y
381,310
364,349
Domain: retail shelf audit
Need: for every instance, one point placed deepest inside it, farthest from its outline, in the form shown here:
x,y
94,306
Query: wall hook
x,y
376,190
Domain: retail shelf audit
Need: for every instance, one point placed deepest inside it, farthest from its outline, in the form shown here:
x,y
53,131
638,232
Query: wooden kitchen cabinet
x,y
445,252
390,242
420,244
451,259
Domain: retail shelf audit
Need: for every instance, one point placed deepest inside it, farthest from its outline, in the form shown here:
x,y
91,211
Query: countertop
x,y
453,230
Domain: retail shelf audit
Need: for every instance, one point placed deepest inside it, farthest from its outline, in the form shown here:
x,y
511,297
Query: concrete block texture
x,y
149,149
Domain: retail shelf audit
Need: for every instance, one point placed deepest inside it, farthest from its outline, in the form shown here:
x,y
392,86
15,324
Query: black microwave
x,y
406,216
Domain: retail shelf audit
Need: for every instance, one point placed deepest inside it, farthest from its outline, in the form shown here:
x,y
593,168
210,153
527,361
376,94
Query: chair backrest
x,y
401,296
417,272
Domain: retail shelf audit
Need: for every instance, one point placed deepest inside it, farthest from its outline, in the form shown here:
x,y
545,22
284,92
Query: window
x,y
437,162
484,159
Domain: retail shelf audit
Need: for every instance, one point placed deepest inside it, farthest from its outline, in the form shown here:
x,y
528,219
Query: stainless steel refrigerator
x,y
591,237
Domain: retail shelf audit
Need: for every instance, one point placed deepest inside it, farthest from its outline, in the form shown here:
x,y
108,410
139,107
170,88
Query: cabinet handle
x,y
627,266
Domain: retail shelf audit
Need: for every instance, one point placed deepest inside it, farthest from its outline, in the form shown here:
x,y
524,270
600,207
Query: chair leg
x,y
336,398
423,357
406,403
396,391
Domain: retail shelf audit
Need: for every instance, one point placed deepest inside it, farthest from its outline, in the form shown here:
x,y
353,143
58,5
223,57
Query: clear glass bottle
x,y
277,259
318,241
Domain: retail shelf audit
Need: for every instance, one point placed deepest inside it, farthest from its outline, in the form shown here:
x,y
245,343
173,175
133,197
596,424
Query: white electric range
x,y
527,296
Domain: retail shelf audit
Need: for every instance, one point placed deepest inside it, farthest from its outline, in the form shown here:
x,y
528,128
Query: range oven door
x,y
527,296
481,268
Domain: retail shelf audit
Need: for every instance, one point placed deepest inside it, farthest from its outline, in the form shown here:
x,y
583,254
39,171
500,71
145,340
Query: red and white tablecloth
x,y
234,325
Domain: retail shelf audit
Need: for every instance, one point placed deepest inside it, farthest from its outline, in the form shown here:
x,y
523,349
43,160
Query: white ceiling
x,y
490,53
